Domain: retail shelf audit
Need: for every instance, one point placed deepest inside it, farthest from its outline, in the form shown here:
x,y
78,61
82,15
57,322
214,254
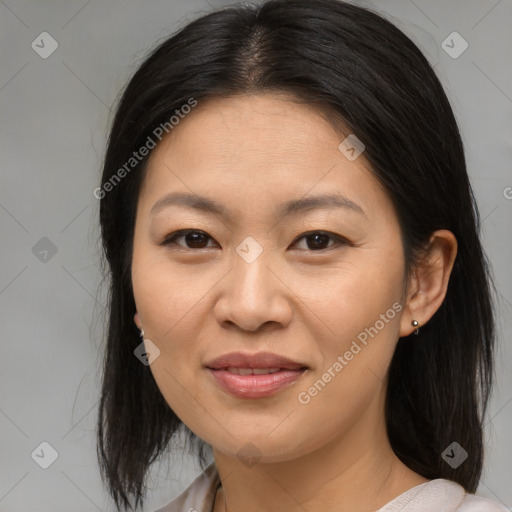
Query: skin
x,y
199,301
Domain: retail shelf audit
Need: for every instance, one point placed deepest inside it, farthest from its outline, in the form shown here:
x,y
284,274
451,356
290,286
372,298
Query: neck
x,y
355,472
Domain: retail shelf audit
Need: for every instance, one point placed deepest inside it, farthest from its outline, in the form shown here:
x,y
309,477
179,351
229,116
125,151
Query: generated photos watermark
x,y
143,151
304,397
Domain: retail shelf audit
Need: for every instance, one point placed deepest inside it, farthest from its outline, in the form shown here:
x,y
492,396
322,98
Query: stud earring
x,y
414,323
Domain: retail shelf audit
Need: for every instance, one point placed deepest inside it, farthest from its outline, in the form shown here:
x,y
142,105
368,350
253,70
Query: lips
x,y
254,375
259,360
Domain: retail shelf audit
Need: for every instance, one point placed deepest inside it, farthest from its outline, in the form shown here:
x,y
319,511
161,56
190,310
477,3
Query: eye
x,y
316,240
196,239
193,238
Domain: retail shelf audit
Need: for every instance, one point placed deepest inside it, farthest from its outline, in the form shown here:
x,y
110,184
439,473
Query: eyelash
x,y
170,239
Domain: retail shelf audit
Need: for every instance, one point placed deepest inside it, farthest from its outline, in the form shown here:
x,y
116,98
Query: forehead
x,y
253,125
262,147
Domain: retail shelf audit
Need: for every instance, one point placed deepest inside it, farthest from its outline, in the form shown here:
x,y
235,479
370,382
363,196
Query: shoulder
x,y
441,495
473,503
198,496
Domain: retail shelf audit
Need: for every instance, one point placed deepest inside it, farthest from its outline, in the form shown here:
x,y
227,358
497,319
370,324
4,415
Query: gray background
x,y
54,117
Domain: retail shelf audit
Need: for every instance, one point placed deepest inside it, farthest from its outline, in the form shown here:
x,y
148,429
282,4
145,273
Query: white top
x,y
437,495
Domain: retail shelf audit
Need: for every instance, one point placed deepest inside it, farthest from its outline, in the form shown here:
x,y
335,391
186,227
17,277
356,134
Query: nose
x,y
254,295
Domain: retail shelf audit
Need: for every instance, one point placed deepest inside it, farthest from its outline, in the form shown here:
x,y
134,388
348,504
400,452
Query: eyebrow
x,y
293,207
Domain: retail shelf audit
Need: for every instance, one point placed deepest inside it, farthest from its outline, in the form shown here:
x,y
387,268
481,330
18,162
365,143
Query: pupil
x,y
194,239
323,238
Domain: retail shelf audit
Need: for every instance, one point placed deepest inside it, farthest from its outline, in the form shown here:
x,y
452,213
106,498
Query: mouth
x,y
246,383
254,375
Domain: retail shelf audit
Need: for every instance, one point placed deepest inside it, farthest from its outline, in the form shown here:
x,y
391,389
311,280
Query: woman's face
x,y
320,282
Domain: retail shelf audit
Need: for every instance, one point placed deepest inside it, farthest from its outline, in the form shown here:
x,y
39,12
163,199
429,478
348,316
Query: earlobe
x,y
430,281
136,318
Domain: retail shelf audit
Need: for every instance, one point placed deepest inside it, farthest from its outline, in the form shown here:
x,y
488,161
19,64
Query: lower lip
x,y
255,386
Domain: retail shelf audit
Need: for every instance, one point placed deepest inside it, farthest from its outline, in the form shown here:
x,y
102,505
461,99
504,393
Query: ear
x,y
136,318
429,281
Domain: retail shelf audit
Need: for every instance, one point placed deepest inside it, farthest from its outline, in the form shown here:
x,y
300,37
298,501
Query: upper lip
x,y
258,360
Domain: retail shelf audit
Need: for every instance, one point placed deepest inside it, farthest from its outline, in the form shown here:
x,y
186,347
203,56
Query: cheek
x,y
363,315
168,302
350,298
165,296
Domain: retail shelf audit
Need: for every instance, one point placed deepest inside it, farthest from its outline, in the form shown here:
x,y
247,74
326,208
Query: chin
x,y
258,448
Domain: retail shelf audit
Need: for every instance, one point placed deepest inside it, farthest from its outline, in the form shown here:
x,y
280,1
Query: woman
x,y
290,229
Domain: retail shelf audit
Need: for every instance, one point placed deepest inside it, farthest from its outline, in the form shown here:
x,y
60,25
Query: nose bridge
x,y
252,295
252,275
